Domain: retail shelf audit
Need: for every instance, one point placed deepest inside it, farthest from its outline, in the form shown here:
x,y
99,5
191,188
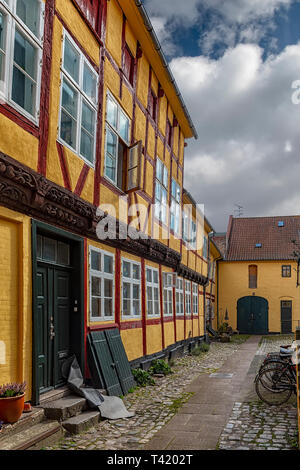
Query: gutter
x,y
158,47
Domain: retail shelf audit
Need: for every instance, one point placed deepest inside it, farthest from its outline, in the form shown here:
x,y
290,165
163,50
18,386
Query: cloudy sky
x,y
235,62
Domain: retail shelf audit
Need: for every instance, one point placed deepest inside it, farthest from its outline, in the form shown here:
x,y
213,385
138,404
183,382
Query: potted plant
x,y
11,401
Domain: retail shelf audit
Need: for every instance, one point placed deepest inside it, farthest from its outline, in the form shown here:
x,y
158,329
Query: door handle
x,y
52,332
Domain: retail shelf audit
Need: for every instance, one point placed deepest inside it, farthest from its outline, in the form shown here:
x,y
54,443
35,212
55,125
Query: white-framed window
x,y
195,299
188,298
175,213
168,294
131,288
152,289
101,285
118,126
21,36
179,297
189,229
161,191
78,102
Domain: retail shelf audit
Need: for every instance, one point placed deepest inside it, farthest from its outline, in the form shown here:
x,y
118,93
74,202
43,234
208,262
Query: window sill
x,y
109,184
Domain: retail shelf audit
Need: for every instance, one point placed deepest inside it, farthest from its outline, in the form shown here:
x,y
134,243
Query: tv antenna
x,y
239,211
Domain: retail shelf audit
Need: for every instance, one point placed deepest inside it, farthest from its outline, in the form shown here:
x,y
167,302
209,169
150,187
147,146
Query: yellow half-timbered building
x,y
92,139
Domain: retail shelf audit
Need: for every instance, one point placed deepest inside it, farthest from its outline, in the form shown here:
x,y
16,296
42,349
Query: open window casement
x,y
134,167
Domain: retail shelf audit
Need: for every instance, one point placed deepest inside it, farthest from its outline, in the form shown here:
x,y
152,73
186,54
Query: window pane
x,y
71,60
87,146
63,253
111,143
29,12
108,264
135,292
149,307
23,91
165,181
126,307
149,275
49,249
88,118
96,286
126,269
135,271
149,293
89,83
155,277
2,47
96,307
108,308
159,170
70,99
108,288
124,127
68,129
136,307
25,55
96,260
110,167
126,290
111,112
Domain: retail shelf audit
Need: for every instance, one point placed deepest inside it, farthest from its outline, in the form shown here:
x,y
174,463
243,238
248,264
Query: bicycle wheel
x,y
272,370
274,386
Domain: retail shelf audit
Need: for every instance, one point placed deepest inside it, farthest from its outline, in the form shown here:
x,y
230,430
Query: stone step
x,y
55,394
34,437
82,422
27,420
65,407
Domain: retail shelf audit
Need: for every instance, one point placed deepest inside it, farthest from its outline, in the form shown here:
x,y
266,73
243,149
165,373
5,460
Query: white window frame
x,y
132,282
115,131
12,20
101,275
158,204
175,204
195,296
81,95
180,292
188,298
166,289
152,285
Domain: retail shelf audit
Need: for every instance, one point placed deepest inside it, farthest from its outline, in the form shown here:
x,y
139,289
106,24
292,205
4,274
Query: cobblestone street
x,y
250,425
154,406
254,425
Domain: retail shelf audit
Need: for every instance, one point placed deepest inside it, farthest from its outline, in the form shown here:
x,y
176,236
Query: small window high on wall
x,y
252,277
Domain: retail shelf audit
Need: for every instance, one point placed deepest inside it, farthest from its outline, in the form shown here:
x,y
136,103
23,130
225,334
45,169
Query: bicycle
x,y
276,381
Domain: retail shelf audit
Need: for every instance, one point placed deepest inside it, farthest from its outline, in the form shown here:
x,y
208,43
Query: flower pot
x,y
11,408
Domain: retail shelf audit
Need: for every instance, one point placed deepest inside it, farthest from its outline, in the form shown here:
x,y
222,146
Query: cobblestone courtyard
x,y
252,424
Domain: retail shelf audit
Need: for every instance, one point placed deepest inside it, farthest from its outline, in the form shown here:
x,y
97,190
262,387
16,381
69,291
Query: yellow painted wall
x,y
154,339
15,298
169,333
233,285
133,342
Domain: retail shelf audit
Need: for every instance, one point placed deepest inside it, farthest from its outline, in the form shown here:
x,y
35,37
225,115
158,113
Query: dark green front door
x,y
252,315
53,308
286,316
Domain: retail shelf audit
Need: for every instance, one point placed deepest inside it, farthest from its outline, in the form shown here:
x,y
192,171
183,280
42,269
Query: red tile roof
x,y
244,233
220,242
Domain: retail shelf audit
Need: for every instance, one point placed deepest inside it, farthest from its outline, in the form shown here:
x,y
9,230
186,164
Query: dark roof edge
x,y
158,47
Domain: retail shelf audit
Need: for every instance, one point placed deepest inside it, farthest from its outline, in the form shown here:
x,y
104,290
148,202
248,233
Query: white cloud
x,y
248,129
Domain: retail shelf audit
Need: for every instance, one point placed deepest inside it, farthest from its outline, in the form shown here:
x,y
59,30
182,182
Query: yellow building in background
x,y
258,290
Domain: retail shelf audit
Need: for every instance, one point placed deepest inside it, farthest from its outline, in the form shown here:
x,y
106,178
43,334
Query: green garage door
x,y
252,315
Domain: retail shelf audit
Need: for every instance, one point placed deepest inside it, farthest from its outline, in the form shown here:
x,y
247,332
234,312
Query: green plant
x,y
222,328
142,377
159,366
202,348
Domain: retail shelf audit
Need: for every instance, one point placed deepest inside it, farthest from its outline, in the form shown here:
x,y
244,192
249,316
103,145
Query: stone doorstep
x,y
27,420
65,407
82,422
35,436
